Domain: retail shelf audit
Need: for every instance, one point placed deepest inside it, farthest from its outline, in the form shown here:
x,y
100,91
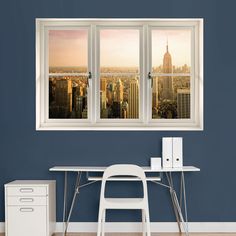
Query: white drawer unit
x,y
30,207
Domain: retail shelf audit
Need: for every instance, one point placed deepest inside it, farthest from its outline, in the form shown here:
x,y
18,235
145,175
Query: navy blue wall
x,y
27,154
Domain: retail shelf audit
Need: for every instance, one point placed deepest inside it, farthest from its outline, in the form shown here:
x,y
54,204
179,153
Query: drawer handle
x,y
26,199
26,190
28,209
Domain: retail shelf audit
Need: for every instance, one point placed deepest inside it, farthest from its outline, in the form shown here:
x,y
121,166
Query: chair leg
x,y
147,222
103,222
99,221
143,222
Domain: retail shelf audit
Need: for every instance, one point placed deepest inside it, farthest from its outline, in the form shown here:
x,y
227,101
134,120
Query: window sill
x,y
143,127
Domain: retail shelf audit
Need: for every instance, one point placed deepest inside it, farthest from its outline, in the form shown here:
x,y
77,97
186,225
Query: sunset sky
x,y
179,44
68,47
117,47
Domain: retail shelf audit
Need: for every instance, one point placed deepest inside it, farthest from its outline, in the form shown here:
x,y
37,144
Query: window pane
x,y
68,97
171,51
119,97
68,51
171,97
119,50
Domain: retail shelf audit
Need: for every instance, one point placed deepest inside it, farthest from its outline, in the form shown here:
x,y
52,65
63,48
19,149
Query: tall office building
x,y
183,103
85,113
167,93
133,100
155,92
119,93
110,93
125,110
109,96
63,97
80,104
103,99
116,108
103,84
51,92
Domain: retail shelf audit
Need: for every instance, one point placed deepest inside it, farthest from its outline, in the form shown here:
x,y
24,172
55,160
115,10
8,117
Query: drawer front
x,y
26,221
26,191
26,201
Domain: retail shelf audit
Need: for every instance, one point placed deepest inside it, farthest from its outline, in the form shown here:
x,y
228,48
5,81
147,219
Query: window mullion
x,y
96,55
142,75
94,75
148,69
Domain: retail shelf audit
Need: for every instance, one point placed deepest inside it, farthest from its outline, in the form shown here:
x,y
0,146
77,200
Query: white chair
x,y
131,172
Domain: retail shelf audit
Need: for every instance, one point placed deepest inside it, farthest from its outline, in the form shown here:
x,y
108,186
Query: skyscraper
x,y
103,99
119,91
183,103
63,97
116,108
124,110
155,93
103,84
167,93
133,100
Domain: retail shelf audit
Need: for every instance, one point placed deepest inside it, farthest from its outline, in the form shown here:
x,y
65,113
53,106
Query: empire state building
x,y
167,93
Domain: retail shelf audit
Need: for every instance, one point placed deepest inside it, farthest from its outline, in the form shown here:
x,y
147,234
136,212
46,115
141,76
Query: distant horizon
x,y
118,66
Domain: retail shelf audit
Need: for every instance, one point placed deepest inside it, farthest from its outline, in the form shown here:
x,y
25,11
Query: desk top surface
x,y
102,169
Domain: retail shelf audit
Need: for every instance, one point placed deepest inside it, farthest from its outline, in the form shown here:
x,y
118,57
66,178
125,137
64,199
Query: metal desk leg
x,y
76,191
176,204
65,202
185,199
170,182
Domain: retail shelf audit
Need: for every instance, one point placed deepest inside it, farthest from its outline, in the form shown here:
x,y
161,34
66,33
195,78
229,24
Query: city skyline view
x,y
119,93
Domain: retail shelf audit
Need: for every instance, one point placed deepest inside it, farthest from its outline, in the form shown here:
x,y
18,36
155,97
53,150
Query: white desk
x,y
159,179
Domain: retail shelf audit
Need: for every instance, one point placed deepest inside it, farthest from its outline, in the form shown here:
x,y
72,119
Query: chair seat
x,y
124,203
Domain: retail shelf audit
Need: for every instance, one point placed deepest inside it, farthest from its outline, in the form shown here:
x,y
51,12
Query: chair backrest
x,y
124,170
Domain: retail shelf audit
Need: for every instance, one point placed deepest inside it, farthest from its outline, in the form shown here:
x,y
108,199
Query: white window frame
x,y
94,122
